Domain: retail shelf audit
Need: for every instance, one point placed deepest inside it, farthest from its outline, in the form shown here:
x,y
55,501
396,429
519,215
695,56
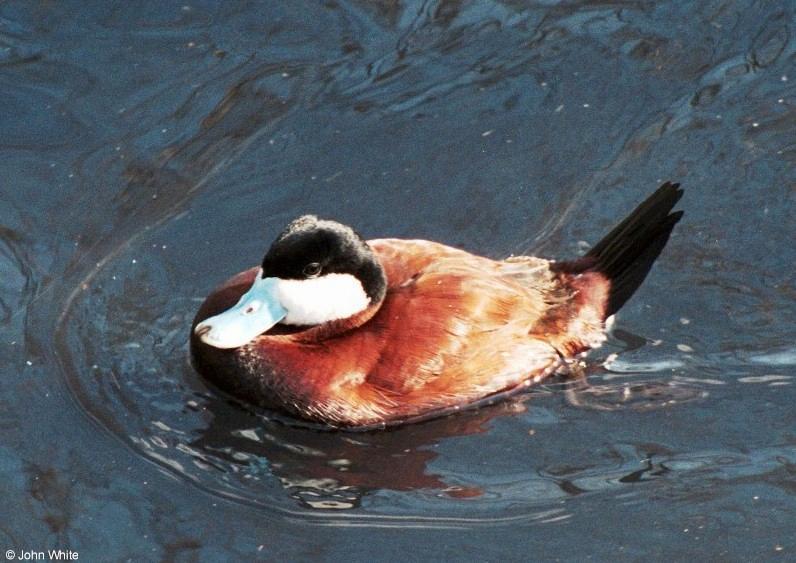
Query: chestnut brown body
x,y
452,329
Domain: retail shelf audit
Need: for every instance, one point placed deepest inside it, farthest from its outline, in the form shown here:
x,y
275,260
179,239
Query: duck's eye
x,y
312,270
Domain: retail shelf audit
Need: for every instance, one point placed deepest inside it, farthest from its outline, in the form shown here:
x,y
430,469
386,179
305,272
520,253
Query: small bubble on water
x,y
487,133
684,321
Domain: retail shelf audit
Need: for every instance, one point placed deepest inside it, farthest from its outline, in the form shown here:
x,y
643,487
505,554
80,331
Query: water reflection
x,y
334,470
327,469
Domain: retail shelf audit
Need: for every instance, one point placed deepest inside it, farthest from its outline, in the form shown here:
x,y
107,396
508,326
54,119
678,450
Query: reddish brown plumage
x,y
453,328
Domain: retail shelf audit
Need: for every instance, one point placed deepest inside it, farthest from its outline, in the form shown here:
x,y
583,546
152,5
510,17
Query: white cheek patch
x,y
323,299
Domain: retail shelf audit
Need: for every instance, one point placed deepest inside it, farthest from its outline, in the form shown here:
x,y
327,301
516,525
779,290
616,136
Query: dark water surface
x,y
149,151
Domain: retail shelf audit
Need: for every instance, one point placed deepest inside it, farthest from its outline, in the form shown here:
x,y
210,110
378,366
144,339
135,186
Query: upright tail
x,y
625,255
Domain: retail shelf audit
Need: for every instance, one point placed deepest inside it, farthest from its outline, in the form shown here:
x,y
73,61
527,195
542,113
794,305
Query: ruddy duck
x,y
352,333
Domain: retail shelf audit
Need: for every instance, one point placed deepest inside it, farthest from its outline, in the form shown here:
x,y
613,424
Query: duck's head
x,y
315,272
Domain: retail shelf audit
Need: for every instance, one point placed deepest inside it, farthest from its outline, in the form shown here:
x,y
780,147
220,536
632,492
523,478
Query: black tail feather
x,y
626,254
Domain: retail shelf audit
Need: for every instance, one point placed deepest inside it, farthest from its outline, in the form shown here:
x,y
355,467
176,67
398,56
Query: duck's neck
x,y
337,327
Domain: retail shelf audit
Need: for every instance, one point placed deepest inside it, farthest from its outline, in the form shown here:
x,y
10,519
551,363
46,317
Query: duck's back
x,y
457,327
